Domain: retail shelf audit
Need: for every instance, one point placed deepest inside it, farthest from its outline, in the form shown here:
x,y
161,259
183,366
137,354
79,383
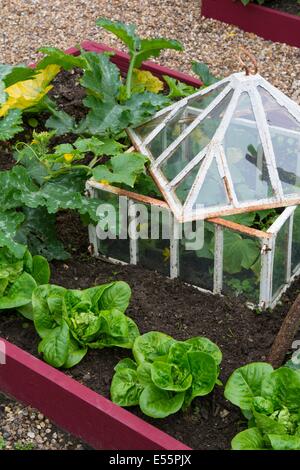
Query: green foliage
x,y
139,49
44,163
178,89
239,252
2,443
111,117
202,70
11,124
59,120
166,374
28,187
246,2
110,109
107,147
108,99
57,57
19,191
21,446
122,169
46,180
14,74
71,321
270,400
38,231
19,277
57,166
10,221
242,258
109,113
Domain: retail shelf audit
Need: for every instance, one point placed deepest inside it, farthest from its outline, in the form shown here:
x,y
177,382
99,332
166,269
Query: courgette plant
x,y
139,49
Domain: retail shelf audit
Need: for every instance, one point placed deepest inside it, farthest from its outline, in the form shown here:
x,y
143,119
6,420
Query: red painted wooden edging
x,y
76,408
263,21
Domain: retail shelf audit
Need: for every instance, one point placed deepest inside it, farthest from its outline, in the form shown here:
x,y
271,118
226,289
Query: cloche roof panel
x,y
232,147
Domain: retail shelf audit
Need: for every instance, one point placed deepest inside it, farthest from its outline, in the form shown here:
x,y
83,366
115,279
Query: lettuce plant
x,y
18,279
166,374
71,321
270,400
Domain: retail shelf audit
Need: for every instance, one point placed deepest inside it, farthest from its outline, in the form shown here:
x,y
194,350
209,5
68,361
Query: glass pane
x,y
212,192
170,132
144,130
197,263
185,185
154,251
196,141
241,266
193,110
201,102
277,115
296,241
117,248
285,135
245,155
280,258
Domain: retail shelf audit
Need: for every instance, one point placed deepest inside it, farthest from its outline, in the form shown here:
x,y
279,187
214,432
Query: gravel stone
x,y
22,433
26,25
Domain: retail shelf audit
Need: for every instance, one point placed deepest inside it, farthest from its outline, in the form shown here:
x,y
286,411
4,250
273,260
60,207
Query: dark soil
x,y
68,93
288,6
158,303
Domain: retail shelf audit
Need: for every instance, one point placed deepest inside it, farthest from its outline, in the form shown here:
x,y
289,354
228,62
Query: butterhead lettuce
x,y
71,321
270,399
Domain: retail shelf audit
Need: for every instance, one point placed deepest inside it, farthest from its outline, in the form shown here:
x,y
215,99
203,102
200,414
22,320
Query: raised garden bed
x,y
269,23
242,335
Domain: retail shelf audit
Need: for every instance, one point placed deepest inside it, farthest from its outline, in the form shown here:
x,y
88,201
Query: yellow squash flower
x,y
68,157
28,93
148,80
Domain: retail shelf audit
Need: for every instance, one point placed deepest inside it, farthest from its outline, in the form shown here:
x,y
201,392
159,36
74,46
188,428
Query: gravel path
x,y
26,25
23,428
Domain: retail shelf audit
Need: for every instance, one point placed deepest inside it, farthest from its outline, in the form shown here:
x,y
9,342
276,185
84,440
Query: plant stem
x,y
129,75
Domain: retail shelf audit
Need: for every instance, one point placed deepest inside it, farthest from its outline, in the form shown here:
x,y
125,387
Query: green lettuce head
x,y
270,400
91,318
167,374
19,278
